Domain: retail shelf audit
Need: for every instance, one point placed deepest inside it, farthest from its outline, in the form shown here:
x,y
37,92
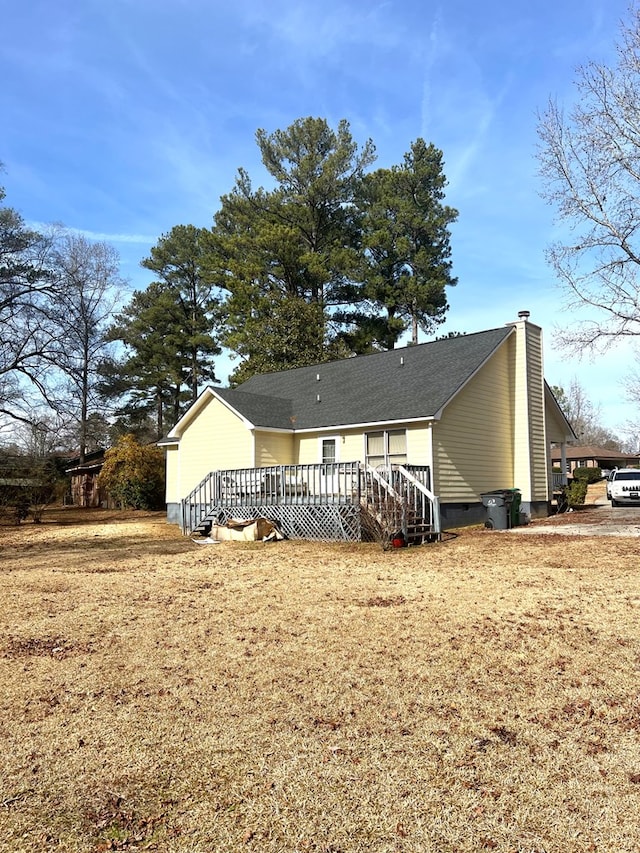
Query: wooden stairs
x,y
398,508
386,504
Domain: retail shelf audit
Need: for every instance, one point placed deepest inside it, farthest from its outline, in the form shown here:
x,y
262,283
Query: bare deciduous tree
x,y
26,332
88,289
584,416
590,166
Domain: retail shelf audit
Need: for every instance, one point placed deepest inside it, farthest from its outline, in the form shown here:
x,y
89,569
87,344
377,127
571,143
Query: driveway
x,y
596,518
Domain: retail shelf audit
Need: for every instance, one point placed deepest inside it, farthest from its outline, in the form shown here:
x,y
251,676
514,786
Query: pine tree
x,y
286,256
406,239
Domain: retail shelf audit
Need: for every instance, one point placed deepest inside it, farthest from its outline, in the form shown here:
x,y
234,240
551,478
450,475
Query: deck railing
x,y
559,480
336,483
399,493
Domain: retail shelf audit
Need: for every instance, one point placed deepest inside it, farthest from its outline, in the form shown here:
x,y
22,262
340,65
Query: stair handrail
x,y
382,482
203,509
409,476
433,498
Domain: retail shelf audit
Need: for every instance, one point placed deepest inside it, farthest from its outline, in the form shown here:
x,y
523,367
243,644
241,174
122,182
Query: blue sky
x,y
124,118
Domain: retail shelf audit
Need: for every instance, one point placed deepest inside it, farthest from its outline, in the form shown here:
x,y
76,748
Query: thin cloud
x,y
433,51
97,236
114,238
321,30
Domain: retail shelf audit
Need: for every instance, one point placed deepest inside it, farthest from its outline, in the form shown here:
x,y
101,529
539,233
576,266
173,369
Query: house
x,y
588,456
331,449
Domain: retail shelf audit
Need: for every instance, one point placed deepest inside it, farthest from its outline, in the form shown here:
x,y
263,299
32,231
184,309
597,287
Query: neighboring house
x,y
593,457
451,419
84,480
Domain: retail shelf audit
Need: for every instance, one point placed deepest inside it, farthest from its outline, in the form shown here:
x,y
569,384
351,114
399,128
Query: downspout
x,y
253,448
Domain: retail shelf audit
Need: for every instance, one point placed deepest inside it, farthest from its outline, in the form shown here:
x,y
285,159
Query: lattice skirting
x,y
320,523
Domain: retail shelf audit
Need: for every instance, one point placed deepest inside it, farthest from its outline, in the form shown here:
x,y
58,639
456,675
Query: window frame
x,y
387,457
336,444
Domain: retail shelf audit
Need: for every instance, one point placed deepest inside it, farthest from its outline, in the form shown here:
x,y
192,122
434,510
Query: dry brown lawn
x,y
478,694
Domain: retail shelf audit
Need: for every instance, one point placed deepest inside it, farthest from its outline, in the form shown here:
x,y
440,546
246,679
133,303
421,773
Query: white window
x,y
386,447
328,450
329,478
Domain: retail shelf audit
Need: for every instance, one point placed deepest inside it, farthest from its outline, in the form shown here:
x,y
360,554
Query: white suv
x,y
623,486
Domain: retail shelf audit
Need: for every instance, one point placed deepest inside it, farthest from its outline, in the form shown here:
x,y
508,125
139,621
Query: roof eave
x,y
194,409
366,425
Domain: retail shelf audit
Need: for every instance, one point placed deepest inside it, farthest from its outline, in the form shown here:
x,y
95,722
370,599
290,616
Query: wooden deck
x,y
338,501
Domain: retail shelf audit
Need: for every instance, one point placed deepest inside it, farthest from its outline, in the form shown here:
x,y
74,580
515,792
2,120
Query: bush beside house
x,y
589,475
576,492
133,475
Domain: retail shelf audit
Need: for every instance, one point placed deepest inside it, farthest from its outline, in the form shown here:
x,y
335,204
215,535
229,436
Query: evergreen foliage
x,y
332,261
589,475
576,492
286,257
169,332
406,242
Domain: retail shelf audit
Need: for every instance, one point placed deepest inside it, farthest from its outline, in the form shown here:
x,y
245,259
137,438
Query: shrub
x,y
575,493
28,484
133,475
589,475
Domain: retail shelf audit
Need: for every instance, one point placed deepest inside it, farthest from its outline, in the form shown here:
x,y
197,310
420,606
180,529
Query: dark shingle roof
x,y
259,409
397,385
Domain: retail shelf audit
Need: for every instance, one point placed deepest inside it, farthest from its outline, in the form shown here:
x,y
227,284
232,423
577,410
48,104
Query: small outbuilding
x,y
85,491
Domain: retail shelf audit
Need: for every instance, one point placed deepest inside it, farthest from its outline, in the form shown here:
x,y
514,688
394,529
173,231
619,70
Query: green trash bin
x,y
498,504
515,506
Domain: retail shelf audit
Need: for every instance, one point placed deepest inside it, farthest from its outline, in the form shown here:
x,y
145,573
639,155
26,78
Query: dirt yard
x,y
479,694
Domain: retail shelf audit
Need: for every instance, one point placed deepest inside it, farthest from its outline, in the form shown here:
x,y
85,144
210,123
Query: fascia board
x,y
167,442
93,466
195,409
340,427
273,429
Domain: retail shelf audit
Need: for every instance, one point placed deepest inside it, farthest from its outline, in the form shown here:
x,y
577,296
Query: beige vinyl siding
x,y
530,443
351,444
273,448
306,449
537,427
472,443
521,455
556,427
172,457
419,444
216,439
